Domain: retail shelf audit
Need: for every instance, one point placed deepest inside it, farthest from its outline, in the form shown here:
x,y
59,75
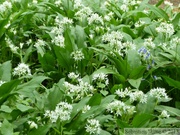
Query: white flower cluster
x,y
39,43
77,55
93,126
95,18
13,48
120,108
174,42
62,112
73,76
114,40
2,82
22,70
58,37
134,96
138,96
139,23
78,4
164,114
83,13
5,6
108,16
169,4
32,124
165,28
79,90
58,2
148,42
159,93
86,108
101,77
129,3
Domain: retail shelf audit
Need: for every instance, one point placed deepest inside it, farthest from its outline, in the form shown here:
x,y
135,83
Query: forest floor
x,y
175,2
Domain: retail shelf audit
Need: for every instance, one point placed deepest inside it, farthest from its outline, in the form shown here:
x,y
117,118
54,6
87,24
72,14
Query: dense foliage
x,y
88,67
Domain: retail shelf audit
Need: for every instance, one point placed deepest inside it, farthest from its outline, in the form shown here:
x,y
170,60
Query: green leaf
x,y
95,100
28,52
5,108
48,62
147,107
27,88
133,59
172,82
151,29
6,128
54,97
171,110
137,72
42,130
80,36
5,71
6,89
135,82
158,12
141,119
129,31
176,20
23,108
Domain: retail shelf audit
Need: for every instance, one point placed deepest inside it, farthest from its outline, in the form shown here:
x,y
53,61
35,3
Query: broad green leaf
x,y
48,62
129,31
133,59
141,119
158,12
6,128
172,82
63,57
95,100
27,88
122,124
23,108
176,20
135,82
28,52
5,71
5,108
137,72
147,107
171,110
54,97
6,89
42,130
80,36
104,132
151,29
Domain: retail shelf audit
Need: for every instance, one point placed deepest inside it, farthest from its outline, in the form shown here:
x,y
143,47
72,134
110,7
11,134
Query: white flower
x,y
59,41
164,114
2,82
166,28
93,126
65,21
21,70
78,4
95,18
73,76
86,108
158,93
58,2
5,6
122,93
139,23
77,55
101,77
32,124
120,108
83,13
62,111
0,124
35,1
39,43
149,43
138,96
124,8
168,4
